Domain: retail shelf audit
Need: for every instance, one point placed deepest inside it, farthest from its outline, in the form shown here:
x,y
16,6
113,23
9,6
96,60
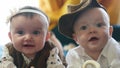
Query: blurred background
x,y
54,9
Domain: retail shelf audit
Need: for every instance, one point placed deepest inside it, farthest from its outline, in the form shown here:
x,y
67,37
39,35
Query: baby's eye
x,y
99,25
36,32
20,32
83,27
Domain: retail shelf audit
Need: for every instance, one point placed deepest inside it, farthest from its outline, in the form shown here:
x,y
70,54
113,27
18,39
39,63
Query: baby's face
x,y
92,30
28,35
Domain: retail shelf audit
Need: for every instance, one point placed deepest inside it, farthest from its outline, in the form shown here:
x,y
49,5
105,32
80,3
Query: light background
x,y
5,7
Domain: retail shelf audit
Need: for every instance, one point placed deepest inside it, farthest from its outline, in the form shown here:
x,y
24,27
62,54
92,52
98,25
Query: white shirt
x,y
109,57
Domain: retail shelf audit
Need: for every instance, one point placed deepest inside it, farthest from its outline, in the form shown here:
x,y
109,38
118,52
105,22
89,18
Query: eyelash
x,y
34,32
97,25
83,27
20,32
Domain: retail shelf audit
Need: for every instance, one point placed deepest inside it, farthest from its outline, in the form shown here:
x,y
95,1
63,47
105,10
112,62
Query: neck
x,y
94,55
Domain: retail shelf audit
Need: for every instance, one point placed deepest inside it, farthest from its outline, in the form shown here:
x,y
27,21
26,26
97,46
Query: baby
x,y
30,47
88,24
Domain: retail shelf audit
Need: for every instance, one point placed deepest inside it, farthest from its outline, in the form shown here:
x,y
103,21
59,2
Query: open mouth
x,y
93,39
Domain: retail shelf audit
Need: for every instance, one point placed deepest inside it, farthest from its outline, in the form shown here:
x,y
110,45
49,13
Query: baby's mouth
x,y
93,39
28,45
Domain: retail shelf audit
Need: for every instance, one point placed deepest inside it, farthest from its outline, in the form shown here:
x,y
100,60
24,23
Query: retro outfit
x,y
14,59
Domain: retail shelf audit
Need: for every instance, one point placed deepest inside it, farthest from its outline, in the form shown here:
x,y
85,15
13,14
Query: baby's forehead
x,y
31,12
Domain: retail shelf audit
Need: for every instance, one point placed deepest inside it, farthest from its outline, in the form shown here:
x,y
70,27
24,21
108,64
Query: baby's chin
x,y
94,48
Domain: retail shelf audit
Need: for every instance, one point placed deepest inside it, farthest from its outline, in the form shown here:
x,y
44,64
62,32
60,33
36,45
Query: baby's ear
x,y
111,30
9,35
47,36
74,37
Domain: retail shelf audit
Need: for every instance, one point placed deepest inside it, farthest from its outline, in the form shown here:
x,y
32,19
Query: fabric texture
x,y
109,57
10,60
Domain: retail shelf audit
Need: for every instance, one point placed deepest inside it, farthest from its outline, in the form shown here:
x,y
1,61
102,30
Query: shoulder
x,y
6,60
75,51
74,54
113,45
49,45
111,50
4,63
73,57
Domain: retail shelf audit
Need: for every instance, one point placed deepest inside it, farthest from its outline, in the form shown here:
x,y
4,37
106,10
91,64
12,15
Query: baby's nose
x,y
28,37
92,29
